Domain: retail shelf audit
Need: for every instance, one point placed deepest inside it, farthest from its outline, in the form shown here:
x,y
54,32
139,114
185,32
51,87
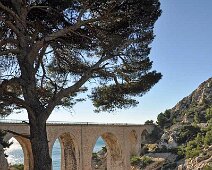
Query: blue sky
x,y
181,51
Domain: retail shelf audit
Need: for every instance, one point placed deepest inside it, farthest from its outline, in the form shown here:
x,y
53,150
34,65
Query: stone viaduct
x,y
77,141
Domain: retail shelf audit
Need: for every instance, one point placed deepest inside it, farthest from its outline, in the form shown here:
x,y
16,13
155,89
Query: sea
x,y
16,156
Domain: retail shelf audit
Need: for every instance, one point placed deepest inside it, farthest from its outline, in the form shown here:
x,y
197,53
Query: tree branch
x,y
40,57
64,31
72,89
18,134
8,41
9,11
12,27
88,74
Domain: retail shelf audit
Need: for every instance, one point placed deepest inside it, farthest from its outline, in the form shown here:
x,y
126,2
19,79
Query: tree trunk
x,y
39,142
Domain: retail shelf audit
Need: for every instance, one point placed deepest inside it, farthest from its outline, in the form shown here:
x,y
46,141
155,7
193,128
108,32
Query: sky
x,y
181,51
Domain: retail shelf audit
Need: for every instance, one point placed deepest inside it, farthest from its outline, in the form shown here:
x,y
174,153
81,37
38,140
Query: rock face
x,y
3,160
168,140
197,102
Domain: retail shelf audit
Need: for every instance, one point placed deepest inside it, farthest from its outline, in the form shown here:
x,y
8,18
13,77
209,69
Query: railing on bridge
x,y
13,121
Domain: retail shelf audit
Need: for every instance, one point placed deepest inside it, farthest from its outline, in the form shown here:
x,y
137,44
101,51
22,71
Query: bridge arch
x,y
26,148
144,135
133,139
114,150
69,151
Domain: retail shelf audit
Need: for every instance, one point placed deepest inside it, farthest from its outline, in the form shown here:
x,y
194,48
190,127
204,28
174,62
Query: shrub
x,y
194,147
18,166
135,160
209,113
208,138
141,162
149,122
180,152
146,160
187,133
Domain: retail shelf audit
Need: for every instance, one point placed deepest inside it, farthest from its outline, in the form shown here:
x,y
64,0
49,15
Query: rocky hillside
x,y
186,141
196,103
190,109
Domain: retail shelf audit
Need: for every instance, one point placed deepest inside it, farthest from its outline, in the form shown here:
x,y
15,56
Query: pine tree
x,y
51,50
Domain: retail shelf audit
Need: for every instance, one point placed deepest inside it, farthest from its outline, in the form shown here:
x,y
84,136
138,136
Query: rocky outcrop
x,y
168,140
199,162
197,102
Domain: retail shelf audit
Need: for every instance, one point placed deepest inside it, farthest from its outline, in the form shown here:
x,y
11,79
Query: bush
x,y
149,122
18,166
146,160
208,138
193,148
181,152
187,133
142,162
135,160
209,113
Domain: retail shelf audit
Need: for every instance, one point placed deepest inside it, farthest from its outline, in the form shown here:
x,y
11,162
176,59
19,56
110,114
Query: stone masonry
x,y
78,140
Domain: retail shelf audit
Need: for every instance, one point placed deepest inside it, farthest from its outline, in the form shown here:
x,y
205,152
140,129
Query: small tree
x,y
161,120
51,50
149,122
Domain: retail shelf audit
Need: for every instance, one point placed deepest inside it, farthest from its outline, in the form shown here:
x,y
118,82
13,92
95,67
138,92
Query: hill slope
x,y
190,109
186,141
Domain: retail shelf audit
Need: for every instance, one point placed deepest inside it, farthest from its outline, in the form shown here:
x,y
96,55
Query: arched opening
x,y
110,156
20,151
65,153
144,135
133,138
99,154
15,154
56,155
